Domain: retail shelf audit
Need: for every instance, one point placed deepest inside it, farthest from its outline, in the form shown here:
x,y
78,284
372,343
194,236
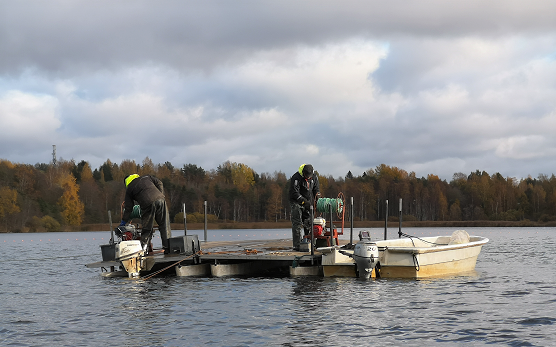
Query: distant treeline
x,y
47,196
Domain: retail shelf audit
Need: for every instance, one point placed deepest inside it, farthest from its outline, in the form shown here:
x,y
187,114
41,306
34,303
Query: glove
x,y
303,201
122,223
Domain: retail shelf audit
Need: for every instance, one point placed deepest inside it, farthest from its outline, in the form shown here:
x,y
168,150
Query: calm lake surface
x,y
49,298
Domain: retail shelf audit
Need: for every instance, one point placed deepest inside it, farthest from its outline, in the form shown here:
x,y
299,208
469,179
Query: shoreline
x,y
287,225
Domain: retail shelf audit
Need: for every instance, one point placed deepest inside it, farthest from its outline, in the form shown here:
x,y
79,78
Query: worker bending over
x,y
148,191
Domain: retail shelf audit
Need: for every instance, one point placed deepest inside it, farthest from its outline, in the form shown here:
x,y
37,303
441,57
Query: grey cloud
x,y
186,82
67,37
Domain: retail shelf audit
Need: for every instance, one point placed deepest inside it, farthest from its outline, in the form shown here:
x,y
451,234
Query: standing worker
x,y
304,189
148,191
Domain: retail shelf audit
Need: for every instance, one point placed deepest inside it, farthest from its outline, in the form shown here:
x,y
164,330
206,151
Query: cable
x,y
418,238
166,268
416,262
296,259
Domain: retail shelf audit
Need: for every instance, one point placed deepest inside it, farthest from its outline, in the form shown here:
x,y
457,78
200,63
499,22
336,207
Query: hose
x,y
323,205
135,212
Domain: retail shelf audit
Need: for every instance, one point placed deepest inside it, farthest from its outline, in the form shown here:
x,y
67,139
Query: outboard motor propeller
x,y
365,255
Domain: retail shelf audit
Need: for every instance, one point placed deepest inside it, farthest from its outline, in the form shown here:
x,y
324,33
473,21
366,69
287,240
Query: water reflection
x,y
50,298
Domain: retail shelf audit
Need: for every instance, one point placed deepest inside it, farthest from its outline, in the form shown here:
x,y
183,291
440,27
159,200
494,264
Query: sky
x,y
431,86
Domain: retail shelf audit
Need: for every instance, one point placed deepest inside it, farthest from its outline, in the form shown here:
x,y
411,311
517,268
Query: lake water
x,y
49,298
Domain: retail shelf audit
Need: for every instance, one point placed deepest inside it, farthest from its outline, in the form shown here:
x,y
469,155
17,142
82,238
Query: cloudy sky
x,y
434,87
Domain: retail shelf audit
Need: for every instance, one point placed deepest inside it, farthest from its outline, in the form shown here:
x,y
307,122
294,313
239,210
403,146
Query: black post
x,y
331,228
312,234
386,222
111,229
400,227
184,221
206,221
351,228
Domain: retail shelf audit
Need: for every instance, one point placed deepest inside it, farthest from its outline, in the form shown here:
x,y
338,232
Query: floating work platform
x,y
407,257
403,257
227,258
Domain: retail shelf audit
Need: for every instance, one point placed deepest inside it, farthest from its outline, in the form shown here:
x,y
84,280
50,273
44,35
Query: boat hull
x,y
452,267
410,258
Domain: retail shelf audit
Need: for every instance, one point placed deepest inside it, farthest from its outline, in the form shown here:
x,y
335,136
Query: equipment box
x,y
108,252
187,244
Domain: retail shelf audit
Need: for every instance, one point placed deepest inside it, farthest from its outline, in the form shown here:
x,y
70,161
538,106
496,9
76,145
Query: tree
x,y
72,207
324,184
274,204
147,168
8,202
455,211
242,176
438,202
86,173
90,194
106,170
25,177
50,224
538,197
128,167
165,171
367,200
194,174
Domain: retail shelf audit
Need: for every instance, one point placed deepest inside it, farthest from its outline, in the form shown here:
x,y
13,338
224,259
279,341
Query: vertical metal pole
x,y
206,221
111,229
111,242
386,222
400,226
184,221
351,227
331,228
312,234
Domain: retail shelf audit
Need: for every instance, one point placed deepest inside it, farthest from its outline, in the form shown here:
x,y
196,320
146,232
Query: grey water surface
x,y
49,298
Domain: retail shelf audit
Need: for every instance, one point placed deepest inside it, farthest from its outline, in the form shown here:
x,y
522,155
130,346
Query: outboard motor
x,y
365,255
131,255
128,249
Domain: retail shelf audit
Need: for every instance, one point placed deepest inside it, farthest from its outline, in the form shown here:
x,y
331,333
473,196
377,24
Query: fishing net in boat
x,y
458,237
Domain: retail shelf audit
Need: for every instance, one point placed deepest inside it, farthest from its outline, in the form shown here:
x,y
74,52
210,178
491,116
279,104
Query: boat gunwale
x,y
421,250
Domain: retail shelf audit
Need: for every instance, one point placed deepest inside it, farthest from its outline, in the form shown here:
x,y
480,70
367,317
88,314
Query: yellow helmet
x,y
130,178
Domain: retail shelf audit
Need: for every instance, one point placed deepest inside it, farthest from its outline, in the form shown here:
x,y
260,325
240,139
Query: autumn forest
x,y
45,197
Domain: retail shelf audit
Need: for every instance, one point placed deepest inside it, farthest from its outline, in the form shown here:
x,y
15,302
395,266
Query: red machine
x,y
320,233
318,227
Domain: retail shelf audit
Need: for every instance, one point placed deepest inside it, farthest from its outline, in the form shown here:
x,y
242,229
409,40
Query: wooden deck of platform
x,y
231,258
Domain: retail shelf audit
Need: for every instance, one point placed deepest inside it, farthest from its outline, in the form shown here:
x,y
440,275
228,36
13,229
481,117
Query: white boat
x,y
407,257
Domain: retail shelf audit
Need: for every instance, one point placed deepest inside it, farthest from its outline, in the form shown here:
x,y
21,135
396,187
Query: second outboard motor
x,y
365,255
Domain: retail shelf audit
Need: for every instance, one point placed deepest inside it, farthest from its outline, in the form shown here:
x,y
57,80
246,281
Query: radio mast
x,y
54,155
